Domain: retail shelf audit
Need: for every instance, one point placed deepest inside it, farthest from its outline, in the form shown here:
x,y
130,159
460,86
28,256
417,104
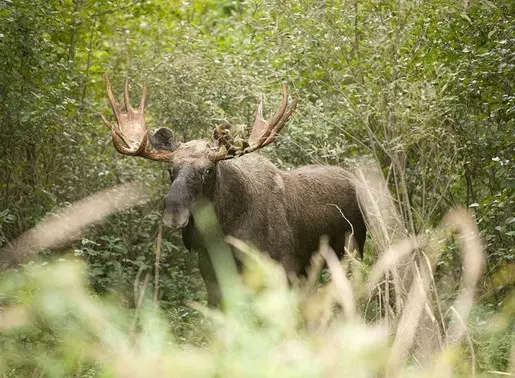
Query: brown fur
x,y
282,213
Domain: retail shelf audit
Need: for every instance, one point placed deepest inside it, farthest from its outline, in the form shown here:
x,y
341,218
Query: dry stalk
x,y
157,263
141,296
341,283
409,321
135,285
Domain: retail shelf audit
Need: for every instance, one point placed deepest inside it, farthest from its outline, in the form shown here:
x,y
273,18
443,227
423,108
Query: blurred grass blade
x,y
461,222
219,252
473,263
382,217
390,259
68,223
409,321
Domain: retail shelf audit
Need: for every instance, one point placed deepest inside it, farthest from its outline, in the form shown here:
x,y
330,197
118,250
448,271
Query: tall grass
x,y
384,319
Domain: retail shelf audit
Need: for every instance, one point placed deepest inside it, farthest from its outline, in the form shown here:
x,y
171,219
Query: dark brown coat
x,y
282,213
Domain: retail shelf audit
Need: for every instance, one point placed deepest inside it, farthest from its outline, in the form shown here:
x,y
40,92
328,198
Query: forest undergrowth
x,y
97,287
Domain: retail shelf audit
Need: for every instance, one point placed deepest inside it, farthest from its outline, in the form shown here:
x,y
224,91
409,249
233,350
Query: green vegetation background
x,y
425,88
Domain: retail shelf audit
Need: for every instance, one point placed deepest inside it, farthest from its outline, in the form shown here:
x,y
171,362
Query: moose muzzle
x,y
178,201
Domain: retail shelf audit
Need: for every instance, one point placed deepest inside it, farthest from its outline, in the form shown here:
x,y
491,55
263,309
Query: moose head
x,y
192,165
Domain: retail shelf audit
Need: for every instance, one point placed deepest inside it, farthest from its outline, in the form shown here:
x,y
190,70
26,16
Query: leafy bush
x,y
423,88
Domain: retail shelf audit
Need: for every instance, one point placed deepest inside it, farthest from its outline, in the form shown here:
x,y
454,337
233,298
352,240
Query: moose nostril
x,y
171,205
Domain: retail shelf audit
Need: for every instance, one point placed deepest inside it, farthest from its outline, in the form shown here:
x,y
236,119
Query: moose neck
x,y
230,194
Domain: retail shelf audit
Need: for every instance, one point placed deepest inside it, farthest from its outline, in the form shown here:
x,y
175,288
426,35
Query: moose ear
x,y
163,139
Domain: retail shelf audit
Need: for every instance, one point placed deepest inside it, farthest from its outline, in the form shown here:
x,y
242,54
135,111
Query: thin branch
x,y
141,296
136,285
469,340
156,264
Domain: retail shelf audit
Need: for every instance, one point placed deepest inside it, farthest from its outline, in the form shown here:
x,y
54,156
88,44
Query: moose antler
x,y
263,132
130,134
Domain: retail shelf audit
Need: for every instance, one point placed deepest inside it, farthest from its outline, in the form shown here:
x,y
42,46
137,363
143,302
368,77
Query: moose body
x,y
282,213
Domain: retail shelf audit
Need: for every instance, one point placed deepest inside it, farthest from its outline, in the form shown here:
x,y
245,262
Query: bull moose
x,y
282,213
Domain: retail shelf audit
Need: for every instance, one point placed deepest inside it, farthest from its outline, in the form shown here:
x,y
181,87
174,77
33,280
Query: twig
x,y
440,322
340,283
156,264
349,238
140,301
135,286
469,340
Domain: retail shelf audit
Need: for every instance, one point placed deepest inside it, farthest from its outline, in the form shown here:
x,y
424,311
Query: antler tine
x,y
277,116
112,101
126,98
259,112
278,121
116,132
116,110
143,102
106,122
262,129
282,122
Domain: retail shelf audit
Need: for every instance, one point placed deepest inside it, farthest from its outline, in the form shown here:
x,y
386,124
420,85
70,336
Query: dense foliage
x,y
424,88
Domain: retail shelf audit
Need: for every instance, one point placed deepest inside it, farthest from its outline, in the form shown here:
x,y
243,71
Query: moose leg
x,y
193,241
208,275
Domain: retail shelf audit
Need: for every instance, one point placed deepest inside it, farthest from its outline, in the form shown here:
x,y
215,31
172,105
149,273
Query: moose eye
x,y
208,172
